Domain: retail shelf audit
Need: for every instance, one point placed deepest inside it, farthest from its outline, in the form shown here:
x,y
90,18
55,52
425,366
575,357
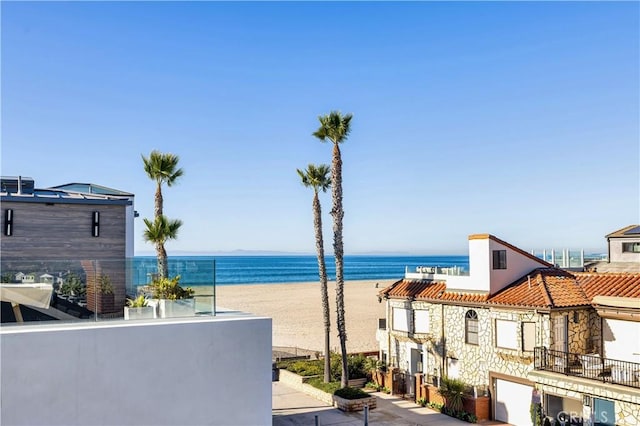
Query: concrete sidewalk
x,y
291,407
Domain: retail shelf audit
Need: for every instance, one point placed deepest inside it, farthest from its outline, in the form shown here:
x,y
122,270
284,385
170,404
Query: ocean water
x,y
237,270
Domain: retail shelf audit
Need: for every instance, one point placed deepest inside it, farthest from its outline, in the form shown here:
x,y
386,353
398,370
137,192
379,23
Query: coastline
x,y
296,311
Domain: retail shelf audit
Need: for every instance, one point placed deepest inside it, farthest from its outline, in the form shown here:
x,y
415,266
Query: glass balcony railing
x,y
453,270
90,289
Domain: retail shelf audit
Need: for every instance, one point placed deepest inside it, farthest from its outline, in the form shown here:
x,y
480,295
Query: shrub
x,y
351,393
452,391
372,385
138,302
169,288
422,402
105,284
318,383
306,368
358,366
435,406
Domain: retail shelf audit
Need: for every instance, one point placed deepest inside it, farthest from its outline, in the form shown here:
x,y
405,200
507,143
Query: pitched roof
x,y
544,287
429,290
609,284
631,231
511,246
541,288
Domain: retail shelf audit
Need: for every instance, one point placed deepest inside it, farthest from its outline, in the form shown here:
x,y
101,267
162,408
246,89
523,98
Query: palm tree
x,y
162,168
335,127
318,179
158,232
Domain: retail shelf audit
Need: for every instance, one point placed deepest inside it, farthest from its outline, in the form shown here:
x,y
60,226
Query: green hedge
x,y
318,383
351,393
306,368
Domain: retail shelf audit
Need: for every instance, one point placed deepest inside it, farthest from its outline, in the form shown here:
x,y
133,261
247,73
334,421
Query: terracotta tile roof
x,y
429,290
405,289
622,232
609,284
542,288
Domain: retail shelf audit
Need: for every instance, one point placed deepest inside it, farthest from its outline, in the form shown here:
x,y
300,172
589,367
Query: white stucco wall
x,y
482,276
183,372
617,255
621,339
518,265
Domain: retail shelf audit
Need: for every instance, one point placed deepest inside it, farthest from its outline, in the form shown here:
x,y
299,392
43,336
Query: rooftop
x,y
631,231
542,288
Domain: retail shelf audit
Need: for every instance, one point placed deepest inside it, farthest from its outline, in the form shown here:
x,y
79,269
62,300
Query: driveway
x,y
291,407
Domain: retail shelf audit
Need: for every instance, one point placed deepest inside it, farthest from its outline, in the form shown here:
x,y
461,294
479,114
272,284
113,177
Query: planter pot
x,y
176,308
139,313
354,404
100,303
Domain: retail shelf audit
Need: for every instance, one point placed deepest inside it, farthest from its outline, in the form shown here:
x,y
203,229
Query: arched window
x,y
471,327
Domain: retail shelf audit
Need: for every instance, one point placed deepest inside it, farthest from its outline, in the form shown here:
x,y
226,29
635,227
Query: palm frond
x,y
334,126
161,229
162,167
318,177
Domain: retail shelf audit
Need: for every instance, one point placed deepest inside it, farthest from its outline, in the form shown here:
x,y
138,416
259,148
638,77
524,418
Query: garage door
x,y
513,401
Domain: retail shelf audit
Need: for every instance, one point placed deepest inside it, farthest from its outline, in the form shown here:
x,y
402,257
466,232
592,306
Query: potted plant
x,y
105,294
173,300
138,308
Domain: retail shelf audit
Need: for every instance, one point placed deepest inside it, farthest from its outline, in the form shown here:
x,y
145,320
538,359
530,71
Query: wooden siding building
x,y
79,230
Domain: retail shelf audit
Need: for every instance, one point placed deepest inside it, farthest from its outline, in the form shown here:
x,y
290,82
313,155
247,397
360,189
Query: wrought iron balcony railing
x,y
589,366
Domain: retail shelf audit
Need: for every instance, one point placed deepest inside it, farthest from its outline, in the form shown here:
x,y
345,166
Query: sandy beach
x,y
296,310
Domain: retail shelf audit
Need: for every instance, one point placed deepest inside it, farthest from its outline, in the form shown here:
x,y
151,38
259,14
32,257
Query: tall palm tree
x,y
317,177
162,168
158,232
335,127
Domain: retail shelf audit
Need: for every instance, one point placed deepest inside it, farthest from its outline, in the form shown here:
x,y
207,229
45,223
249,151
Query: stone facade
x,y
626,400
445,352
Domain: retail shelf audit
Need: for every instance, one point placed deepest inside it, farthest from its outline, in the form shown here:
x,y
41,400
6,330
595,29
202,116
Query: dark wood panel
x,y
63,231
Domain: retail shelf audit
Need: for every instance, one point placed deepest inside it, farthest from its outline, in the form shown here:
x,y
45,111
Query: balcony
x,y
588,366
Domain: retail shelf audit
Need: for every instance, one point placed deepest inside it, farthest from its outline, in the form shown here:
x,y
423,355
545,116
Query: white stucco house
x,y
623,245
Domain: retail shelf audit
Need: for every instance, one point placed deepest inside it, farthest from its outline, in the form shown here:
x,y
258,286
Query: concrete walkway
x,y
291,407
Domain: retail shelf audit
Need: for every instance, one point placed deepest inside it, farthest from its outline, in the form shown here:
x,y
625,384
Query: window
x,y
421,321
95,227
528,336
499,259
506,334
471,327
8,222
631,247
401,319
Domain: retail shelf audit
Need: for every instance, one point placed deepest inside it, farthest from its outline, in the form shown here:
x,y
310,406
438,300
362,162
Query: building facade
x,y
79,234
624,245
514,327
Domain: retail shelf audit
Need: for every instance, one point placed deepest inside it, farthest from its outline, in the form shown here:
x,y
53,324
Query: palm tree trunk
x,y
163,270
159,201
338,250
322,270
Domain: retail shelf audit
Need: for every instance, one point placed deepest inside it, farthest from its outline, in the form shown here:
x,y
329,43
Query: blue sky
x,y
517,119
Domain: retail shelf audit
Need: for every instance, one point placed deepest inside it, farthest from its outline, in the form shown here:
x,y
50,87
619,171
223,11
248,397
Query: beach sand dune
x,y
296,310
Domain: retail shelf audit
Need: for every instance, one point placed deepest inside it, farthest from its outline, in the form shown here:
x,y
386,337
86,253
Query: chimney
x,y
19,185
